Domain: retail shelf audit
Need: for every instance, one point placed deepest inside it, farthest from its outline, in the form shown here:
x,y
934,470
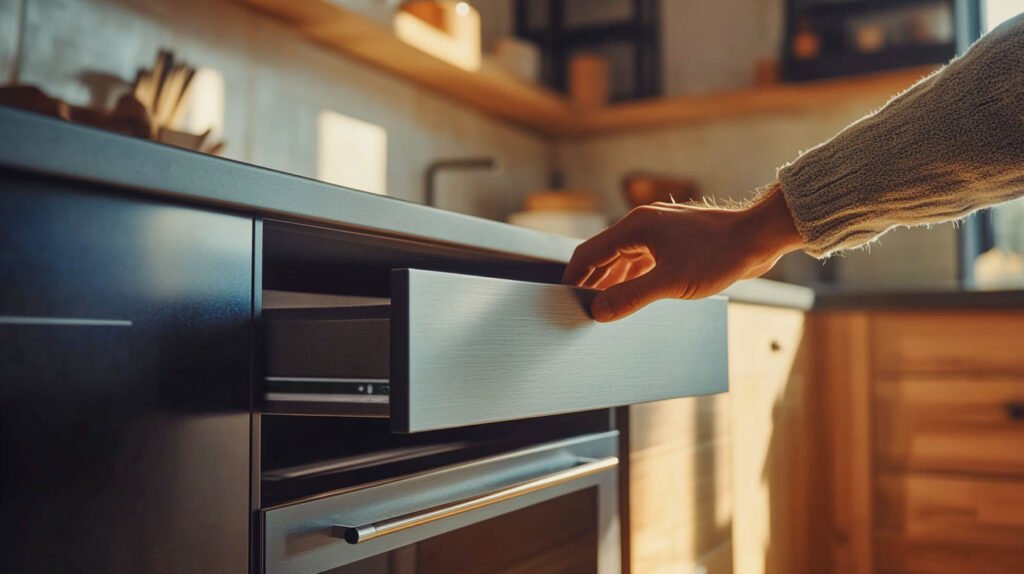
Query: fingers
x,y
626,298
600,275
622,269
600,250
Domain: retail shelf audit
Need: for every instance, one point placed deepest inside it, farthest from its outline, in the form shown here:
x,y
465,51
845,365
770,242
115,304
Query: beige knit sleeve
x,y
951,144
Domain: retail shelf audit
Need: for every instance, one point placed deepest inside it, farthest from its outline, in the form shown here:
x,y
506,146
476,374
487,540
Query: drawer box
x,y
463,350
328,360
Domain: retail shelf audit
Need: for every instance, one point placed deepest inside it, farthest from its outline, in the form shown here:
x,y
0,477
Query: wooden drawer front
x,y
763,341
949,342
961,424
897,555
918,512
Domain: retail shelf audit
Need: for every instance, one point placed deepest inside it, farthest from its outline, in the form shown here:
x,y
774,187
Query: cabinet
x,y
926,420
728,483
124,382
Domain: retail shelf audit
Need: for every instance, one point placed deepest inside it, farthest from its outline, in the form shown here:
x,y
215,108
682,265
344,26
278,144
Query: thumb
x,y
628,297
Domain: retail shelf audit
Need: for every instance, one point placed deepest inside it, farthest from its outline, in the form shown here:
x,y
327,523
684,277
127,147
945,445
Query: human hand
x,y
666,250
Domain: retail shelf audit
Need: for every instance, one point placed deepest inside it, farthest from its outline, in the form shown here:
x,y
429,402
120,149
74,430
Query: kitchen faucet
x,y
430,176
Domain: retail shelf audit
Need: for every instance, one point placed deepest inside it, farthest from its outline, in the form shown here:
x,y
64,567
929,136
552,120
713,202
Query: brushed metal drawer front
x,y
467,350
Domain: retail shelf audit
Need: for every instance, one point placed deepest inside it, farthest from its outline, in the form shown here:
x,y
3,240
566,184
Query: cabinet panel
x,y
680,485
729,483
772,435
125,361
963,424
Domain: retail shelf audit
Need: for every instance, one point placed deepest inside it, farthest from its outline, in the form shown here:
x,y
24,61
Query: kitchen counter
x,y
937,298
50,146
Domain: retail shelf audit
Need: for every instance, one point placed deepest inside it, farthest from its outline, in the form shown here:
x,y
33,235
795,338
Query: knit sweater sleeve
x,y
951,144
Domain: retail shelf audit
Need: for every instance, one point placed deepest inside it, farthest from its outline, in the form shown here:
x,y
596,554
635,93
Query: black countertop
x,y
41,144
952,297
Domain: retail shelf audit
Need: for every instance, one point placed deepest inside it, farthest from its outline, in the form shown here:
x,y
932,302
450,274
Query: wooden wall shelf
x,y
490,90
779,98
539,109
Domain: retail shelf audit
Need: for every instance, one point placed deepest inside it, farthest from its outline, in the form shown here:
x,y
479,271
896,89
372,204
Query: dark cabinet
x,y
125,358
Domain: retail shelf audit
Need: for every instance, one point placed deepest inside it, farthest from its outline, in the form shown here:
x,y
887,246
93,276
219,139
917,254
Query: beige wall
x,y
9,15
277,84
731,158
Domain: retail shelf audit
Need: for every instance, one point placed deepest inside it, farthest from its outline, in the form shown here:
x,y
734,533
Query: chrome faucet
x,y
430,176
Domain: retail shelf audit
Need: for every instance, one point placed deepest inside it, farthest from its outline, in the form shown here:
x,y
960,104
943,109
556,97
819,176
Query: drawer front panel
x,y
953,342
962,424
968,518
468,350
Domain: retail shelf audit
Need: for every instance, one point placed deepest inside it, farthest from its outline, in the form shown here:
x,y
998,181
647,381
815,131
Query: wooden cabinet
x,y
926,420
680,490
726,483
773,450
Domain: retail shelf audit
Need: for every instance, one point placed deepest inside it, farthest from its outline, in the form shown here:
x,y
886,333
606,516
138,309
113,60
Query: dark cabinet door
x,y
124,382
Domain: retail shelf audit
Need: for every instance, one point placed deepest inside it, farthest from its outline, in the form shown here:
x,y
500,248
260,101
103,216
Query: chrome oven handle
x,y
357,534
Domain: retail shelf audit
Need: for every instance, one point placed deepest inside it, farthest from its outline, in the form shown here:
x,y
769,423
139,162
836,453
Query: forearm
x,y
950,145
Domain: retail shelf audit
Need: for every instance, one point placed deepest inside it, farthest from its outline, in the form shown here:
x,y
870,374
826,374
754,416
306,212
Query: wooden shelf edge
x,y
780,98
489,89
543,111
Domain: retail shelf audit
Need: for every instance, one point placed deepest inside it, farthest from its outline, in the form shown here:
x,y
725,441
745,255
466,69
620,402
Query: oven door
x,y
549,508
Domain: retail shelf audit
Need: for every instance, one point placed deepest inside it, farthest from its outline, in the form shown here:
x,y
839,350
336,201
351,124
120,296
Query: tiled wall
x,y
277,84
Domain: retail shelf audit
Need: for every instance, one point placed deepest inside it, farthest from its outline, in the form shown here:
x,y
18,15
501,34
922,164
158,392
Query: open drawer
x,y
456,350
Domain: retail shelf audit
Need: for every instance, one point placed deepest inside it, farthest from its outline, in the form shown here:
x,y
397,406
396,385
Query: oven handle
x,y
587,467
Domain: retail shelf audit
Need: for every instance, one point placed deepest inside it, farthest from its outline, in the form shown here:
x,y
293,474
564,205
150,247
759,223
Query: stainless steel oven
x,y
551,507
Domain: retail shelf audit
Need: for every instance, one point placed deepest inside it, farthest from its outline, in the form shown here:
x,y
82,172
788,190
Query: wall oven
x,y
547,507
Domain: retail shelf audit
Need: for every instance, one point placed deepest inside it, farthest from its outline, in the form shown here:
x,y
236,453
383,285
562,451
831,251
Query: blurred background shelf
x,y
498,93
488,89
778,98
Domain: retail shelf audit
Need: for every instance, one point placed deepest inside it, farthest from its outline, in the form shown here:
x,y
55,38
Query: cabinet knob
x,y
775,346
1015,410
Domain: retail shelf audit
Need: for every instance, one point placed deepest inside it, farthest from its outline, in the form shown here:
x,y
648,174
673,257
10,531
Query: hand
x,y
666,250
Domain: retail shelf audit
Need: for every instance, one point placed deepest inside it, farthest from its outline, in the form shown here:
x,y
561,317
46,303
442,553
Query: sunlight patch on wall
x,y
204,107
352,153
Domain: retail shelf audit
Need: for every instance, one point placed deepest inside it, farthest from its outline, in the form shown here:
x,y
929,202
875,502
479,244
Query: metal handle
x,y
357,534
